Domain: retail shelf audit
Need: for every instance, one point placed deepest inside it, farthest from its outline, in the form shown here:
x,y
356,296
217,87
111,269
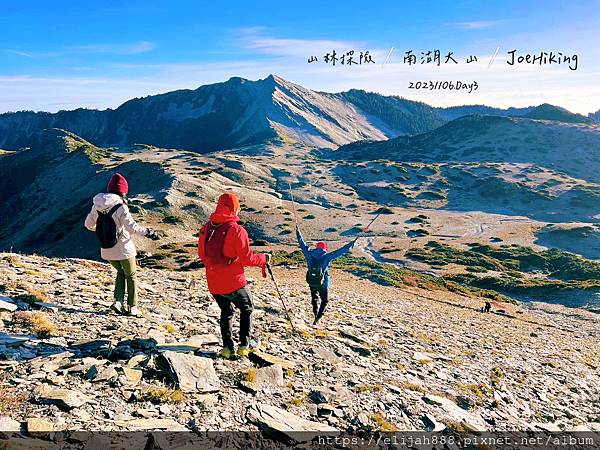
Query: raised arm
x,y
340,251
90,220
302,243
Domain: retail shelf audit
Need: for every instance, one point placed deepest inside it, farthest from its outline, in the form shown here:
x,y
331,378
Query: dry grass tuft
x,y
320,333
412,387
364,388
164,395
298,401
14,261
250,375
11,399
31,295
37,322
382,423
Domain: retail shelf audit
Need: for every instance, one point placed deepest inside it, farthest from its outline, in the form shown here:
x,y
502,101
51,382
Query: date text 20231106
x,y
444,85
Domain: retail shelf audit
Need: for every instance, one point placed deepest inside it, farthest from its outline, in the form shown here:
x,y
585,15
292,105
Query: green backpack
x,y
315,276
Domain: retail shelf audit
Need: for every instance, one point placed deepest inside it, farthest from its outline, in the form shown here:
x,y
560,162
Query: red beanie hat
x,y
230,201
322,245
118,185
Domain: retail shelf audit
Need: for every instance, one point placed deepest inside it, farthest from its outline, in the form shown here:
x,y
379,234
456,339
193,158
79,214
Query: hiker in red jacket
x,y
224,248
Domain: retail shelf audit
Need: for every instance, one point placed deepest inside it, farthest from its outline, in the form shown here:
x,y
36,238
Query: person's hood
x,y
103,201
226,207
318,253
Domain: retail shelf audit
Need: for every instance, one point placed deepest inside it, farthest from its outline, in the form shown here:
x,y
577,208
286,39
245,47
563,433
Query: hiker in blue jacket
x,y
317,276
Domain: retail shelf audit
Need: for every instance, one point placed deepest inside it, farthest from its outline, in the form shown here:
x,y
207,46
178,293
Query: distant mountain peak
x,y
546,111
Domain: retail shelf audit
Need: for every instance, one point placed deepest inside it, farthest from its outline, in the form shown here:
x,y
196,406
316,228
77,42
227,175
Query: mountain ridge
x,y
247,113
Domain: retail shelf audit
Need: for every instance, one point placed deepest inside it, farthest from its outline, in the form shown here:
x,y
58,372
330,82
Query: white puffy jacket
x,y
126,227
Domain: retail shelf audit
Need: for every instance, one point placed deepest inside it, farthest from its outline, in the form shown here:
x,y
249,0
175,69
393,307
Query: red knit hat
x,y
322,245
118,185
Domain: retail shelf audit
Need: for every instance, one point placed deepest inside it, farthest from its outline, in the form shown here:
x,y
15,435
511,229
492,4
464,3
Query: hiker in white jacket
x,y
122,254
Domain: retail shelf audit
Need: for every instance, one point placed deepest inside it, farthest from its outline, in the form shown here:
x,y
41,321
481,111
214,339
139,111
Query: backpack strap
x,y
112,210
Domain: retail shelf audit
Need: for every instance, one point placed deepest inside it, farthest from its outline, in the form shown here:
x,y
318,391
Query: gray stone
x,y
38,425
132,377
7,304
452,412
550,427
263,358
97,347
10,340
285,426
47,306
63,398
96,373
191,373
265,377
139,344
137,360
431,424
422,358
325,410
326,355
151,424
7,424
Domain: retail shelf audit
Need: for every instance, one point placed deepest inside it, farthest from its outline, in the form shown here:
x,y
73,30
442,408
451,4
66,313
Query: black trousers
x,y
242,301
315,293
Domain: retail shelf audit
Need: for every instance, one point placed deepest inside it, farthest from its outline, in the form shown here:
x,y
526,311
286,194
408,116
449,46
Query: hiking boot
x,y
226,353
118,307
316,321
134,311
245,350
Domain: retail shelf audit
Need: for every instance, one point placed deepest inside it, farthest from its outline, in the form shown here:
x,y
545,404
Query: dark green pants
x,y
125,276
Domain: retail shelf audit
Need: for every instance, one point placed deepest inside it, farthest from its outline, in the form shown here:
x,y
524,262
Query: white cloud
x,y
473,25
256,40
113,49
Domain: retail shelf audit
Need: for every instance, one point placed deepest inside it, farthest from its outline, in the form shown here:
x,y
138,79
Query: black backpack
x,y
315,275
106,228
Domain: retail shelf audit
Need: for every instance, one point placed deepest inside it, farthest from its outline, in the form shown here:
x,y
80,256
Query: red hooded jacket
x,y
228,278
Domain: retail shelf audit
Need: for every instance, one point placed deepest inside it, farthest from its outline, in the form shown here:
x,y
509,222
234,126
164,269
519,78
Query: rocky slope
x,y
566,147
45,192
383,359
494,164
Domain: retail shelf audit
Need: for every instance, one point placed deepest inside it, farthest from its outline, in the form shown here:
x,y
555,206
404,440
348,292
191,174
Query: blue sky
x,y
67,54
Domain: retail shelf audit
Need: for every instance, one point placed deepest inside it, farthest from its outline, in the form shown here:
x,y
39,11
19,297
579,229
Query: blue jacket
x,y
321,258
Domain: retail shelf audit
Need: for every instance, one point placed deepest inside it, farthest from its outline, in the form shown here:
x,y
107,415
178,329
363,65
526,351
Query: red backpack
x,y
214,242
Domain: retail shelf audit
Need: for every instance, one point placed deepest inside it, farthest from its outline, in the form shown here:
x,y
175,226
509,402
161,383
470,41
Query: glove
x,y
151,234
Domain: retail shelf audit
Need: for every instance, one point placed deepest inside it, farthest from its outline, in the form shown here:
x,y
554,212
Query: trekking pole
x,y
293,205
364,230
287,314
